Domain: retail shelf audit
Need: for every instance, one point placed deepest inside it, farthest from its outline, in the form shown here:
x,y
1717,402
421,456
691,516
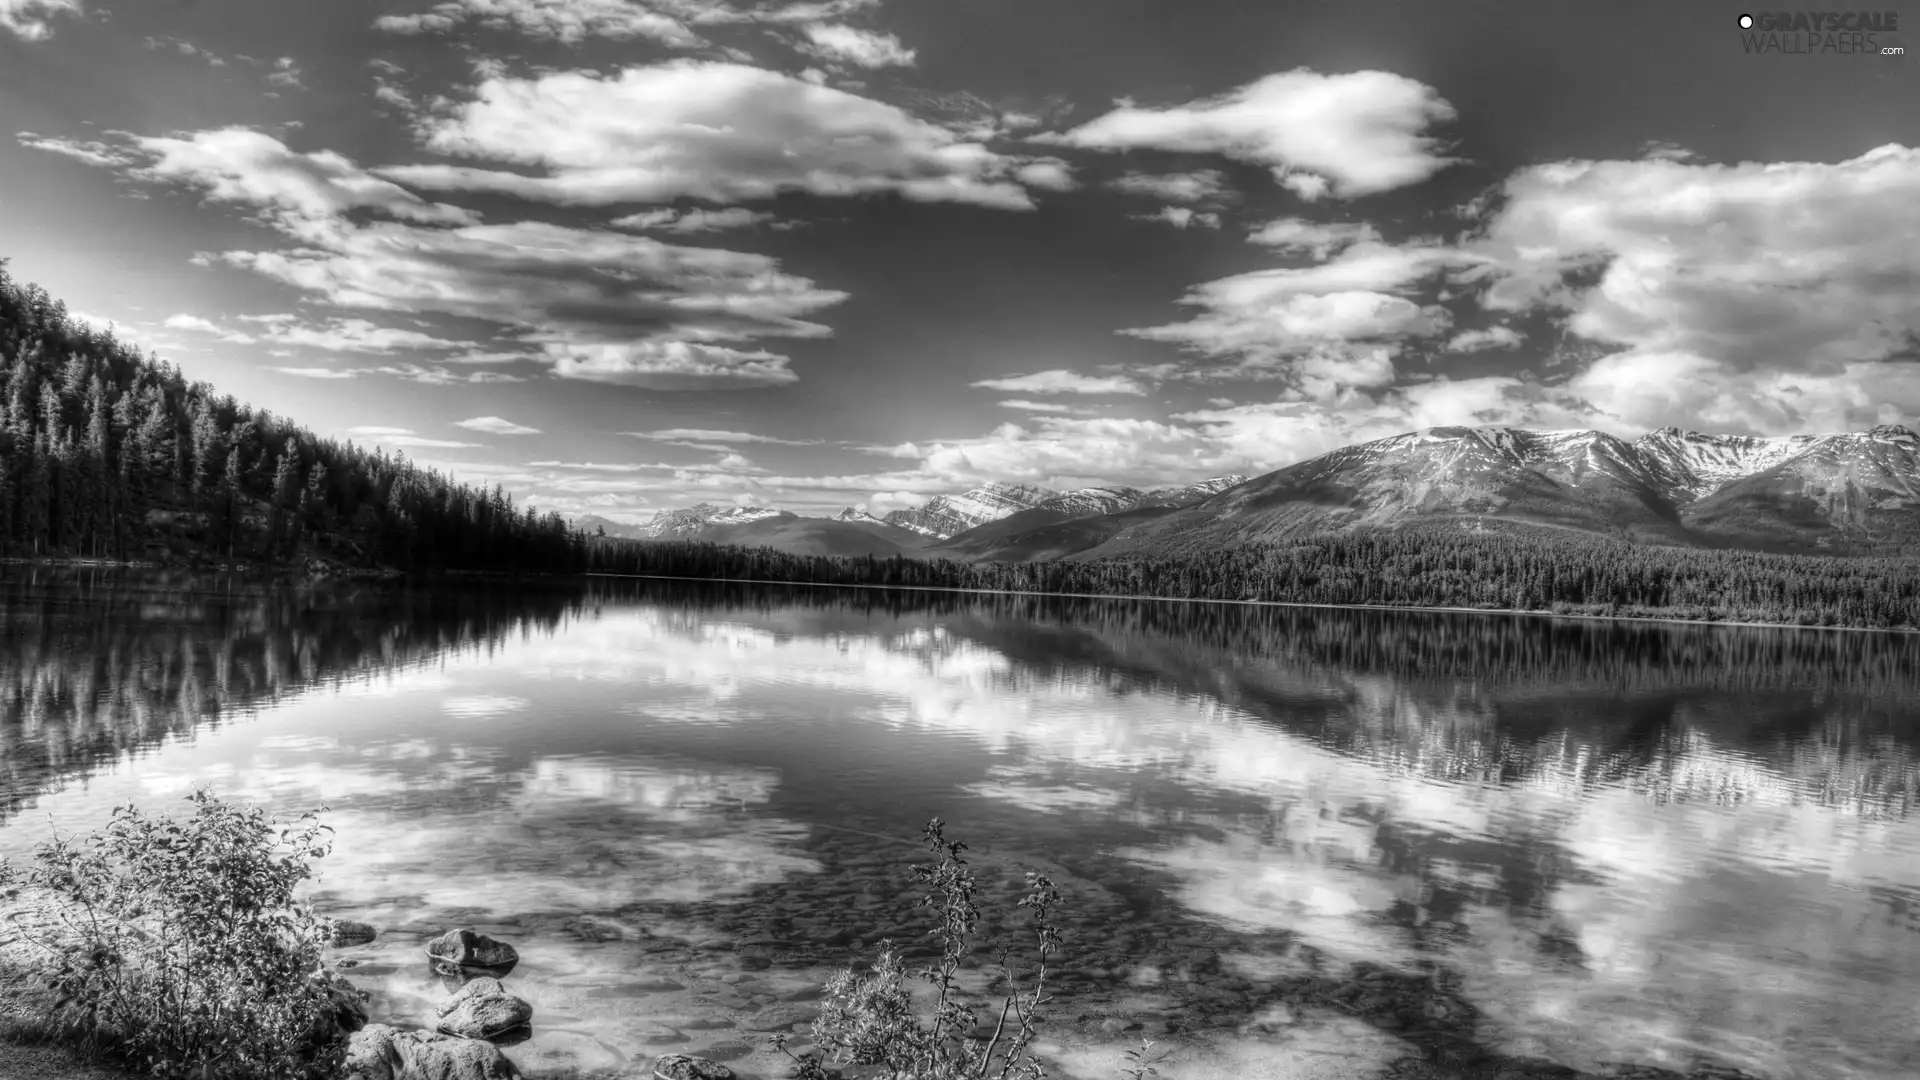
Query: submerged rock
x,y
382,1052
482,1009
468,949
346,932
688,1067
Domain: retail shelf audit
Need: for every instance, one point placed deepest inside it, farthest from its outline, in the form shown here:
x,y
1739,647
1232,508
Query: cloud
x,y
568,21
30,20
692,221
1041,406
1061,381
494,425
183,47
1348,135
1318,238
398,436
1322,329
286,73
334,335
95,153
722,132
314,372
1771,296
1201,185
668,365
438,376
708,435
1493,337
839,43
1182,217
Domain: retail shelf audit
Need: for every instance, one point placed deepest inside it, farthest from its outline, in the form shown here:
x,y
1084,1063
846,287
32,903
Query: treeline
x,y
108,453
1575,575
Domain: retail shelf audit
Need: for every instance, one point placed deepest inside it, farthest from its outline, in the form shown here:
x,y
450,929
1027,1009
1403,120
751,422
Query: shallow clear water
x,y
1295,843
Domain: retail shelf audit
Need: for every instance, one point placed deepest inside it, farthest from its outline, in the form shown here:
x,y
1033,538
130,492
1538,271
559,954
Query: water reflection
x,y
1591,844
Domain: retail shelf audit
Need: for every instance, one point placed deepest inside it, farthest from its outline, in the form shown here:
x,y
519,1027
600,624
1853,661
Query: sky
x,y
621,256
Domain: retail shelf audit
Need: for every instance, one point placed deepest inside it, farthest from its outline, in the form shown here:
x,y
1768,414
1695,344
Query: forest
x,y
1553,572
106,453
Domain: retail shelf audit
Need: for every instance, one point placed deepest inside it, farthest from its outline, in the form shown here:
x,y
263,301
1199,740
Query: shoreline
x,y
1267,603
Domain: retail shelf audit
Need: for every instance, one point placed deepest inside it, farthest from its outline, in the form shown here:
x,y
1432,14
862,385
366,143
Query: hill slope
x,y
814,536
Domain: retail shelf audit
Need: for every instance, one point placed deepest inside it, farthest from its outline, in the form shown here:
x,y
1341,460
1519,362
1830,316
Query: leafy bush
x,y
869,1019
185,952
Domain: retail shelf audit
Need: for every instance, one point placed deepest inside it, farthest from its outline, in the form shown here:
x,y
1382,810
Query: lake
x,y
1294,843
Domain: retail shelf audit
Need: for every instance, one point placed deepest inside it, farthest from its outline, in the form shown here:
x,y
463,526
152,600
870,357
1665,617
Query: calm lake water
x,y
1295,843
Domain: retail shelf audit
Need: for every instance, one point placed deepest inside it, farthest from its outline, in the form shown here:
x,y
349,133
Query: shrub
x,y
185,952
869,1019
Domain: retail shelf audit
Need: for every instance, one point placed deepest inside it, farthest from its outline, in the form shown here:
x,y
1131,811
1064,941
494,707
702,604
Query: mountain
x,y
945,515
1858,492
856,514
680,524
1071,522
797,535
594,524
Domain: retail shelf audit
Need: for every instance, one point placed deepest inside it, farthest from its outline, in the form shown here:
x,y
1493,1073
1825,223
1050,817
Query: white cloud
x,y
286,72
1493,337
438,376
716,131
594,304
709,435
1770,297
314,372
668,365
399,436
192,322
1323,329
569,21
334,335
494,425
691,221
1042,406
837,42
1201,185
1350,135
1061,381
1319,238
29,20
95,153
1182,217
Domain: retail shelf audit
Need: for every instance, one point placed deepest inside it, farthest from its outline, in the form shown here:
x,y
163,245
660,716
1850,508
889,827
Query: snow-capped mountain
x,y
1701,464
668,524
1105,500
945,515
1832,492
1191,493
854,513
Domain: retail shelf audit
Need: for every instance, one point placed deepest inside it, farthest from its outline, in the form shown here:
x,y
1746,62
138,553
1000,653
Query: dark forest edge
x,y
107,455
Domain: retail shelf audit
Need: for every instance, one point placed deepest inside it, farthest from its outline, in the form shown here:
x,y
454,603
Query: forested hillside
x,y
1564,573
108,453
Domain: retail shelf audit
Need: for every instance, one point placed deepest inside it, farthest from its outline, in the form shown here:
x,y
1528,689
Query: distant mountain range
x,y
1843,493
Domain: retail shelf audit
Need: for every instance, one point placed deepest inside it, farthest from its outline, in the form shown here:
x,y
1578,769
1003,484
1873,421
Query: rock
x,y
483,1009
688,1067
346,932
468,949
382,1052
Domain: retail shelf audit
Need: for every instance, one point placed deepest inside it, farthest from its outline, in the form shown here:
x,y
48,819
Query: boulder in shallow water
x,y
468,949
382,1052
346,932
482,1009
688,1067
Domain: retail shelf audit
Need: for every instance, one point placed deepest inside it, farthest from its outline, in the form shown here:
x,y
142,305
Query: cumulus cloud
x,y
1182,217
314,372
569,21
1323,329
1202,185
30,20
839,43
494,425
1772,297
692,221
722,132
668,365
1493,337
1061,381
333,335
1317,238
594,304
1347,135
